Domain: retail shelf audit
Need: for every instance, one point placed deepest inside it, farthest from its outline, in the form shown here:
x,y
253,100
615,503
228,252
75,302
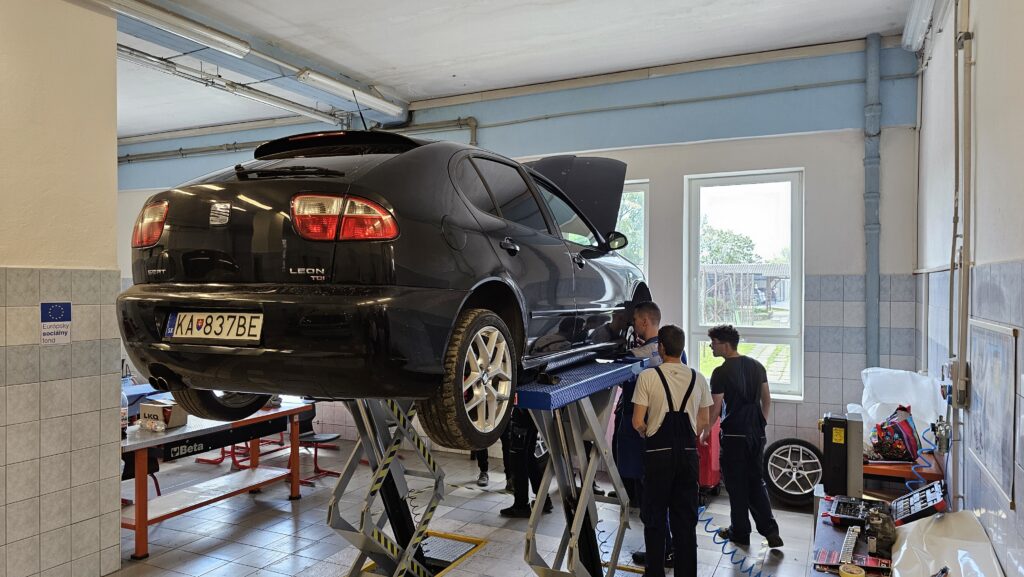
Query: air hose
x,y
921,463
736,557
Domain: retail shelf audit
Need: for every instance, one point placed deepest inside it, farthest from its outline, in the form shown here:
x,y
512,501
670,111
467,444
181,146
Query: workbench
x,y
198,436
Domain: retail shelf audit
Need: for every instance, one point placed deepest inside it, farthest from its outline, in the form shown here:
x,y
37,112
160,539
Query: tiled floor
x,y
266,535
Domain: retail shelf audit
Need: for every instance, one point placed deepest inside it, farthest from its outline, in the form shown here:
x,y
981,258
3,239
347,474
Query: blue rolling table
x,y
569,413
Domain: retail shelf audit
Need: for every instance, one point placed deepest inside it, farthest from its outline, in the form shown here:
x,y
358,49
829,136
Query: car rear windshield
x,y
349,166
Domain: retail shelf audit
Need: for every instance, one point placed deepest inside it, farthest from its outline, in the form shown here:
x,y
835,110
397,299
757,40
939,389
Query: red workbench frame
x,y
138,517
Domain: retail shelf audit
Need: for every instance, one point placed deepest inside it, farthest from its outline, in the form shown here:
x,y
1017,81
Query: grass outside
x,y
775,358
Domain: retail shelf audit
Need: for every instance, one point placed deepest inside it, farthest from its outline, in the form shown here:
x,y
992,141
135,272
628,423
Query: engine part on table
x,y
847,511
880,532
918,504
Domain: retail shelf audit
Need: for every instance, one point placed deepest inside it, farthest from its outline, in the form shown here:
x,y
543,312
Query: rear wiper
x,y
244,173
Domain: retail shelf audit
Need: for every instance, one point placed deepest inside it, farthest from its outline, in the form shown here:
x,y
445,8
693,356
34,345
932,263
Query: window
x,y
573,227
632,222
746,269
514,199
468,181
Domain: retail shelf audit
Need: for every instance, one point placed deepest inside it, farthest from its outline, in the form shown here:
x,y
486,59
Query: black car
x,y
372,265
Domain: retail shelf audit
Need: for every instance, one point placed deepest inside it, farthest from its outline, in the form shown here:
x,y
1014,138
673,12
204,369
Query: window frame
x,y
646,196
537,181
552,228
794,334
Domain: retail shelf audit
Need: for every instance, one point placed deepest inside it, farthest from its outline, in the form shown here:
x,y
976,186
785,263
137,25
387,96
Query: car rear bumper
x,y
317,340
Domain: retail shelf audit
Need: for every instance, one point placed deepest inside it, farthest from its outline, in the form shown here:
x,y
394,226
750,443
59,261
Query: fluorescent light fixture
x,y
339,88
179,25
279,102
916,28
244,198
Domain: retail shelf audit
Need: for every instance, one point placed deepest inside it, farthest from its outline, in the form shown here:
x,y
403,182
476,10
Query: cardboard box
x,y
171,413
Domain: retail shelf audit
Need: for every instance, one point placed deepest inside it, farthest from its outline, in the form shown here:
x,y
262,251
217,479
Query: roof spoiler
x,y
334,138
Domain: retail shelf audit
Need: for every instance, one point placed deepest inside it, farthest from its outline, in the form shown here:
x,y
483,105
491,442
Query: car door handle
x,y
510,245
579,260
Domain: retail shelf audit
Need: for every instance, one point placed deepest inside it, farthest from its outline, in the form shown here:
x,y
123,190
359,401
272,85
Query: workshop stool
x,y
310,438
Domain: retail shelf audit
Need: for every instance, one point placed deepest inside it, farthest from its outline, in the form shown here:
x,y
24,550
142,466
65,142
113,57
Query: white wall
x,y
58,110
998,130
997,205
833,199
936,168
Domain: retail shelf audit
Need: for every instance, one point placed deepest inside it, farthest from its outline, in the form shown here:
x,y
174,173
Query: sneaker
x,y
774,541
515,512
727,534
483,479
598,490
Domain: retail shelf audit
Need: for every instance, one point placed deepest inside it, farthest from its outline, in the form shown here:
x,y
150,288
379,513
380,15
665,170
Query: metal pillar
x,y
872,195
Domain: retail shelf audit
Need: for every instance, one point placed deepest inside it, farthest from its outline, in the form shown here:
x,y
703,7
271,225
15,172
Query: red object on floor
x,y
710,474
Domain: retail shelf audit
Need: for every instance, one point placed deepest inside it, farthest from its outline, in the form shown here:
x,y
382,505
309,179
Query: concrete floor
x,y
266,535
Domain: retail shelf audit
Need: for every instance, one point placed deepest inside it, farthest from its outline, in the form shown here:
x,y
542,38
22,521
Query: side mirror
x,y
616,240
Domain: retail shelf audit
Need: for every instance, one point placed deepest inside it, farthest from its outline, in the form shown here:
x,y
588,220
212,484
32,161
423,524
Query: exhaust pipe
x,y
164,379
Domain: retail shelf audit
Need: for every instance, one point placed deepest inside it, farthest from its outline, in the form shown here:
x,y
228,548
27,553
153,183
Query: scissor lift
x,y
569,413
574,410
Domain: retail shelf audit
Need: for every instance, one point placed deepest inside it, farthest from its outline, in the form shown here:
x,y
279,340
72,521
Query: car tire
x,y
224,407
791,468
448,417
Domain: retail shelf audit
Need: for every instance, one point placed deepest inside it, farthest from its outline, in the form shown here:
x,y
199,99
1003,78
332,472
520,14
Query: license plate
x,y
220,326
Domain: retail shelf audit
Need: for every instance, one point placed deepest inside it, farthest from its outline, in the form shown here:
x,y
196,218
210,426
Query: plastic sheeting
x,y
887,389
954,540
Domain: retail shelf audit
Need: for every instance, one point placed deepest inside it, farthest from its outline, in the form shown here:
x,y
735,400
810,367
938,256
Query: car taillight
x,y
316,217
337,218
150,224
367,220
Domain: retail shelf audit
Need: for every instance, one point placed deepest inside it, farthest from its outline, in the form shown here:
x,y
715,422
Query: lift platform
x,y
571,406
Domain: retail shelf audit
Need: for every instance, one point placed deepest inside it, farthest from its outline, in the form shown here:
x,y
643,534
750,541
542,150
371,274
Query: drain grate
x,y
440,551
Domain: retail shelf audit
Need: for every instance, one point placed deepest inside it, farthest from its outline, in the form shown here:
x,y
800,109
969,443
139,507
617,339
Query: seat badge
x,y
220,213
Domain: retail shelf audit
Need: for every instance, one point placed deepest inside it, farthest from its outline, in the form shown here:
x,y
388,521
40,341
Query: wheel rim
x,y
794,469
487,379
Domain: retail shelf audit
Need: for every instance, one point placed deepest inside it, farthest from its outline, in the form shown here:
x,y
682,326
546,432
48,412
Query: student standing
x,y
742,398
671,405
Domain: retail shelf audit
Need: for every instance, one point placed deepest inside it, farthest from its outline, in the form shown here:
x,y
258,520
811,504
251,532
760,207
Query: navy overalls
x,y
743,441
670,484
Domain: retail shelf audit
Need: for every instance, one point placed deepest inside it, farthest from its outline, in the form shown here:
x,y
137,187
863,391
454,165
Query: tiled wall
x,y
835,348
59,427
997,295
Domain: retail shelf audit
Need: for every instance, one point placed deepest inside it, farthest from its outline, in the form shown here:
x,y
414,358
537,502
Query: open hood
x,y
593,184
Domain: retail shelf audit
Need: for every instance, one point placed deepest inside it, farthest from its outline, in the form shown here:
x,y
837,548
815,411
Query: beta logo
x,y
187,449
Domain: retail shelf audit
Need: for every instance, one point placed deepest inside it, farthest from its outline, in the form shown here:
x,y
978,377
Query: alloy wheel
x,y
487,381
794,469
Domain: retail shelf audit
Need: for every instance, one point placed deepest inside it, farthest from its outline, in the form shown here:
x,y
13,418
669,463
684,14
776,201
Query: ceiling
x,y
415,50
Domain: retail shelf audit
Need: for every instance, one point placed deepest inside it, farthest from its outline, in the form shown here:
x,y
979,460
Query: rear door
x,y
536,259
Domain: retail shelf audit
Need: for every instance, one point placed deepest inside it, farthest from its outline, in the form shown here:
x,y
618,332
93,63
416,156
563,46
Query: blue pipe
x,y
872,194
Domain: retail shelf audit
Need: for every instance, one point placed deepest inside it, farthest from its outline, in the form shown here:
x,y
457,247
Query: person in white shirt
x,y
671,407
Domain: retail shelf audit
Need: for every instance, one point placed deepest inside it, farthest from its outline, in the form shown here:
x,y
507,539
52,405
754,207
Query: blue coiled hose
x,y
733,558
921,463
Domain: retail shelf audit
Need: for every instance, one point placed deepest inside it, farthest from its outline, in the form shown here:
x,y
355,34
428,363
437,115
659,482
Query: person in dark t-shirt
x,y
739,388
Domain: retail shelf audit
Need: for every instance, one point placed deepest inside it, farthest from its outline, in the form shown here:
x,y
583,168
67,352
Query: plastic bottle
x,y
124,415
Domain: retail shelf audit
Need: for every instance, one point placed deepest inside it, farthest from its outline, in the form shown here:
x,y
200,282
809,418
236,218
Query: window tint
x,y
573,227
468,181
514,198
